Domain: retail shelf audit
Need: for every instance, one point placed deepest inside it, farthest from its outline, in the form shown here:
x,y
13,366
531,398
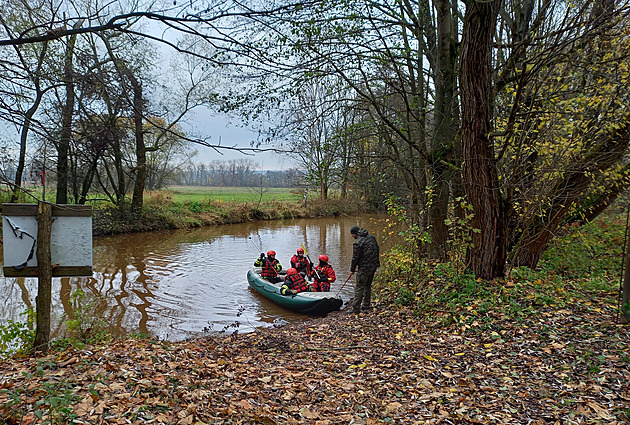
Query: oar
x,y
259,249
344,284
309,260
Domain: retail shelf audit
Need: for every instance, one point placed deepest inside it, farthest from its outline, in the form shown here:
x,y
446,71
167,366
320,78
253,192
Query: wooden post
x,y
625,298
44,267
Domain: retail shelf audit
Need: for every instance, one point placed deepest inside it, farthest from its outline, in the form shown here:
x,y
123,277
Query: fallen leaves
x,y
560,367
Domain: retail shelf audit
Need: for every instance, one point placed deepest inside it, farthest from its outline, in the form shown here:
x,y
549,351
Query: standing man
x,y
365,261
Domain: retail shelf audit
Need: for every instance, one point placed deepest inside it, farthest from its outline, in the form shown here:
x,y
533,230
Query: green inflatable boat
x,y
311,303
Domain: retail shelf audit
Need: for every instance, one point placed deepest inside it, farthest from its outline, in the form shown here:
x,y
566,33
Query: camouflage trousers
x,y
363,290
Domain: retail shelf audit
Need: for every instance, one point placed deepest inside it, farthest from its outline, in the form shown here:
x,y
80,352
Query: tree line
x,y
235,173
488,123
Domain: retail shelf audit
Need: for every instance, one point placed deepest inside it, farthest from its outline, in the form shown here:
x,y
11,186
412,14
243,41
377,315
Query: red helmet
x,y
323,258
300,251
291,271
271,252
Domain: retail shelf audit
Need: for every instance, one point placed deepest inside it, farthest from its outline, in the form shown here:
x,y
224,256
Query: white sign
x,y
71,240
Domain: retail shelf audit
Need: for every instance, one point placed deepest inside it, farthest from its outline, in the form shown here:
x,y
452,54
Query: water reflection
x,y
176,284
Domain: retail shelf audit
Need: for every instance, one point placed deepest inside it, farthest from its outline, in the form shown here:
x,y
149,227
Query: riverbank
x,y
563,365
539,346
161,213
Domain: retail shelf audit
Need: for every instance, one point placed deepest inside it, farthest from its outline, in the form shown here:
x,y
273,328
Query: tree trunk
x,y
39,94
66,121
120,188
487,255
457,185
87,181
592,208
19,173
532,244
141,150
44,270
442,143
438,212
567,191
323,189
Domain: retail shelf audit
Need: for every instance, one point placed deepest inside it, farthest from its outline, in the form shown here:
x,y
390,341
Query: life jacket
x,y
296,282
325,273
301,264
326,277
321,286
270,268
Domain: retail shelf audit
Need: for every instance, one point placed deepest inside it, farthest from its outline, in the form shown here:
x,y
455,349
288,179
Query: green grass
x,y
182,194
229,194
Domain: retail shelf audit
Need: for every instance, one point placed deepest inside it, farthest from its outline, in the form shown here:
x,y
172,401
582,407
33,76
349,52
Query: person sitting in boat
x,y
270,266
301,263
294,283
324,275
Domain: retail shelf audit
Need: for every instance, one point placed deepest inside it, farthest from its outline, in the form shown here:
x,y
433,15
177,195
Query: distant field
x,y
229,194
180,194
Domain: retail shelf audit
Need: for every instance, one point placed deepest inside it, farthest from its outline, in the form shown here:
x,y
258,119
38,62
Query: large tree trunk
x,y
487,255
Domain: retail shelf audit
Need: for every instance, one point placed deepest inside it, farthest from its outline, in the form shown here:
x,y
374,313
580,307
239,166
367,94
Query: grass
x,y
229,194
180,194
191,206
195,206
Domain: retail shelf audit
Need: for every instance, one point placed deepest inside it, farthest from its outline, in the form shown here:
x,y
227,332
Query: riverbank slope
x,y
162,213
539,346
563,365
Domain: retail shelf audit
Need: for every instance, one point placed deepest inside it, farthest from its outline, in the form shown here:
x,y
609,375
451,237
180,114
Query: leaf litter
x,y
563,366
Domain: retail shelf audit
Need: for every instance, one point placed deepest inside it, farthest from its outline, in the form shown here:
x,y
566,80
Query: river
x,y
178,284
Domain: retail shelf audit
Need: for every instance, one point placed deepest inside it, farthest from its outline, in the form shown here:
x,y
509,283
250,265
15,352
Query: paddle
x,y
264,259
344,284
259,249
310,262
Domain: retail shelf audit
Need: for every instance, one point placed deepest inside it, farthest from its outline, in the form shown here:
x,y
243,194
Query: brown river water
x,y
184,283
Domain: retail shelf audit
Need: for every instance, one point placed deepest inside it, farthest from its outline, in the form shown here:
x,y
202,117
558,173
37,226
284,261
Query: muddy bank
x,y
108,220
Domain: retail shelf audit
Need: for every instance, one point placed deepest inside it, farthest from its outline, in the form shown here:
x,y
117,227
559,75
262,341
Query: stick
x,y
309,260
344,284
257,248
350,347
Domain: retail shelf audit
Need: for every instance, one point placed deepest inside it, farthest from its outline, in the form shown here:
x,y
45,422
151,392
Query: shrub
x,y
17,337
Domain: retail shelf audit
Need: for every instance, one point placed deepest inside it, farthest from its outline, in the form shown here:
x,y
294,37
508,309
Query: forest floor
x,y
565,365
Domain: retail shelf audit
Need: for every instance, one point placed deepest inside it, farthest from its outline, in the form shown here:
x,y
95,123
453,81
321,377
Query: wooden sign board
x,y
70,246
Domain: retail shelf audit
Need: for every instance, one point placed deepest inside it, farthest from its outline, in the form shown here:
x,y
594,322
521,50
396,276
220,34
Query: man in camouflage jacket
x,y
365,261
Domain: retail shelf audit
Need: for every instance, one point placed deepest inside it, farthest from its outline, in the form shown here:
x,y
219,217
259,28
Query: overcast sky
x,y
221,128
